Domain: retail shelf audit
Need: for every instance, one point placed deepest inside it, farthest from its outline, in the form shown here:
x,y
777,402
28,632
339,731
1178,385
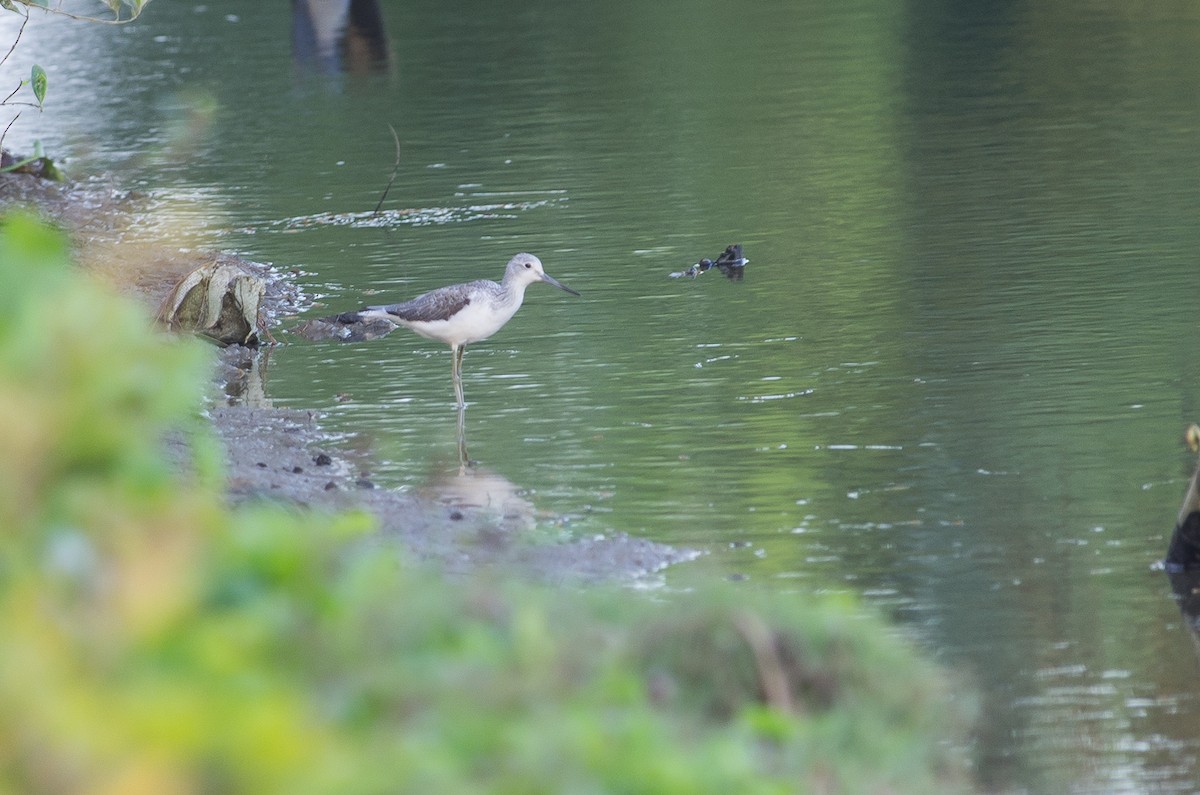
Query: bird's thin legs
x,y
457,371
464,460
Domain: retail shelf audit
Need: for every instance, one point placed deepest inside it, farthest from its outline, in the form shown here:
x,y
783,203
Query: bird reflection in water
x,y
473,488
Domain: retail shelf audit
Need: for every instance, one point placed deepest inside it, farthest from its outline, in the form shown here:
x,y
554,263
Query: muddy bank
x,y
459,521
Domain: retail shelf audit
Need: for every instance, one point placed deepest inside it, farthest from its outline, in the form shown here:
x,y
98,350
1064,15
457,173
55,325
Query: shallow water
x,y
953,380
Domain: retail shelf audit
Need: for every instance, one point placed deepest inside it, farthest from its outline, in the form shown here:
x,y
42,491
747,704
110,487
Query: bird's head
x,y
527,269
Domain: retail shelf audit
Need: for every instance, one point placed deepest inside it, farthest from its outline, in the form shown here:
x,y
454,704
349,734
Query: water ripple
x,y
422,216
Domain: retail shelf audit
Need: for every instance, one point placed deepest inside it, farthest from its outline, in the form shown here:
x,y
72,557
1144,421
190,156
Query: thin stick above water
x,y
395,169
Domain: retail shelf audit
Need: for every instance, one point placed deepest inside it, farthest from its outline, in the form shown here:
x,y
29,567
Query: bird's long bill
x,y
548,279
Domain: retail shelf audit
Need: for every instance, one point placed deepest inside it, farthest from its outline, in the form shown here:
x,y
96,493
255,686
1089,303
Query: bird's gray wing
x,y
437,305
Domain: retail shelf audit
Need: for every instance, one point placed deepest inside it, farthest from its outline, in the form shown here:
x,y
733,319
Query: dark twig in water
x,y
20,30
12,94
8,100
395,169
8,127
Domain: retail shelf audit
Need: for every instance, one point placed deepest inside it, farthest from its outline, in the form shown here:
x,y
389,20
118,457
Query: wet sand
x,y
460,521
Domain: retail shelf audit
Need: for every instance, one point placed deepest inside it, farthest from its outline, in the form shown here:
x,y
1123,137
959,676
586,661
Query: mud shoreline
x,y
465,520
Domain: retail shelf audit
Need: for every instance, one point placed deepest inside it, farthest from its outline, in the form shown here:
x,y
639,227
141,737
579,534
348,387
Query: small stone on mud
x,y
297,470
331,486
363,483
456,515
322,460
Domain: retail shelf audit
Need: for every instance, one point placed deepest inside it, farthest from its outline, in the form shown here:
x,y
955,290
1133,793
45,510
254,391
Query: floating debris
x,y
695,270
346,328
730,262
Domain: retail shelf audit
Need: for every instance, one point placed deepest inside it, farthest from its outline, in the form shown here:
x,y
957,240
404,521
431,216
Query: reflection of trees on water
x,y
334,36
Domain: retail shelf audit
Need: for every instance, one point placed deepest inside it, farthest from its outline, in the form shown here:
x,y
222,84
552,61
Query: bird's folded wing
x,y
428,308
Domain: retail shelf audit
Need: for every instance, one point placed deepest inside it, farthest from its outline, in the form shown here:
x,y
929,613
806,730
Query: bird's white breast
x,y
476,321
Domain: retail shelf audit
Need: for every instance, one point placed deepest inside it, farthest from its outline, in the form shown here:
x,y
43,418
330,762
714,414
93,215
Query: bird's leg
x,y
457,371
464,460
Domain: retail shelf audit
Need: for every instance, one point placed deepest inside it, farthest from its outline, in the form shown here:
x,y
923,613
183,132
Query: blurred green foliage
x,y
154,640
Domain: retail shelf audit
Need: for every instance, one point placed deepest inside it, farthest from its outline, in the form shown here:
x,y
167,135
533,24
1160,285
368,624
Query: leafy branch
x,y
122,11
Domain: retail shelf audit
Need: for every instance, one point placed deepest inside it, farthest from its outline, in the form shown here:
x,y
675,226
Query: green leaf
x,y
37,79
135,7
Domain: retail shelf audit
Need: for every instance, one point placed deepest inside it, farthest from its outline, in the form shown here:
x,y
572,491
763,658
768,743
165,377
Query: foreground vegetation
x,y
154,640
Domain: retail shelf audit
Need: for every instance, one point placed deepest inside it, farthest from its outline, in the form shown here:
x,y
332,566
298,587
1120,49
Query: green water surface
x,y
954,377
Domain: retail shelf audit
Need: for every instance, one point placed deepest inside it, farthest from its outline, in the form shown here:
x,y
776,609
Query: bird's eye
x,y
528,264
